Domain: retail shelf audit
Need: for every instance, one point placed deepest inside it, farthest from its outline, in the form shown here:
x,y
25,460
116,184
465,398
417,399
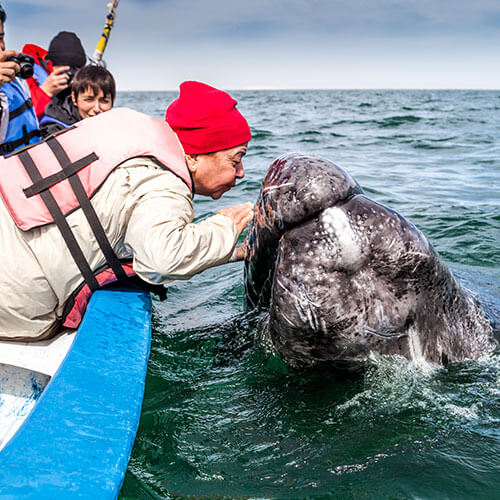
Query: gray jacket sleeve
x,y
165,242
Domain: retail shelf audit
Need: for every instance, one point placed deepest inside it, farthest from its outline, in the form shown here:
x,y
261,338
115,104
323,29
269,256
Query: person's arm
x,y
165,243
241,215
41,94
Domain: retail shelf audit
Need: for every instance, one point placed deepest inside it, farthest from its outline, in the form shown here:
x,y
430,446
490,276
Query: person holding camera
x,y
54,68
18,122
92,91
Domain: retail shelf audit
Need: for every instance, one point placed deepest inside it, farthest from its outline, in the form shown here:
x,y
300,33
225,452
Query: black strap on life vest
x,y
27,104
133,281
68,171
61,222
86,205
29,146
46,182
24,140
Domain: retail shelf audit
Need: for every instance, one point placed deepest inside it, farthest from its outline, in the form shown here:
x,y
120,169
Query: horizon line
x,y
251,89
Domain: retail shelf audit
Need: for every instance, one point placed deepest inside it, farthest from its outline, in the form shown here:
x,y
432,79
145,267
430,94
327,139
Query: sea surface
x,y
224,419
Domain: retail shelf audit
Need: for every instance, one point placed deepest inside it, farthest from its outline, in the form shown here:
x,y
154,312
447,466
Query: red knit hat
x,y
206,119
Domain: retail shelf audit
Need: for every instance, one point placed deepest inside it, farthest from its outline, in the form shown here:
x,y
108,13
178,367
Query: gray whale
x,y
341,276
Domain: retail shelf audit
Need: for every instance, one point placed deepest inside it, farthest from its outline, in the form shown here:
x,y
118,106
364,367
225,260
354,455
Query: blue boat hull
x,y
77,441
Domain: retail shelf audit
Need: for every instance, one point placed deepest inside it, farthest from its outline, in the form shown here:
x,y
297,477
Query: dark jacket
x,y
60,113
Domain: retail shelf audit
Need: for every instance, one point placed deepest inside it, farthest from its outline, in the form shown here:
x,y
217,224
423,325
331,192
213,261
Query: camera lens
x,y
25,62
26,70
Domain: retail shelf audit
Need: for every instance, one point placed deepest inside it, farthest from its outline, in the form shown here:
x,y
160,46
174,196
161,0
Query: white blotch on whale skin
x,y
416,353
278,186
391,244
340,234
380,313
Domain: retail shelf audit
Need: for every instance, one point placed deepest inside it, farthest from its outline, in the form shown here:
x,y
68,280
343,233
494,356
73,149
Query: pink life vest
x,y
114,137
43,183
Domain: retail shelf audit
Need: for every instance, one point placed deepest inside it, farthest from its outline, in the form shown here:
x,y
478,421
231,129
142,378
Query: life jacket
x,y
48,181
23,123
51,119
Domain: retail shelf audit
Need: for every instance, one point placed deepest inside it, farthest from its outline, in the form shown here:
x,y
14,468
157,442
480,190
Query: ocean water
x,y
222,419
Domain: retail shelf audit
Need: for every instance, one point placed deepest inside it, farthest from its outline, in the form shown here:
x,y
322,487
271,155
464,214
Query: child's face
x,y
89,104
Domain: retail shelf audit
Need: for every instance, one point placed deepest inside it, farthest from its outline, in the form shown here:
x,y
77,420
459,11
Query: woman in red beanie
x,y
214,136
141,174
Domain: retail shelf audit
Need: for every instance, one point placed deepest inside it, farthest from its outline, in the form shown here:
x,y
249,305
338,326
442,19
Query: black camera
x,y
71,73
25,65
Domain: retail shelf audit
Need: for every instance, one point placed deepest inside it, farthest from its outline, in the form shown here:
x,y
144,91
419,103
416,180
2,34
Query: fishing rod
x,y
103,41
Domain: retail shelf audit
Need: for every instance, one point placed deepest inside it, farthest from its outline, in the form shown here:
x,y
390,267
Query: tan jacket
x,y
147,214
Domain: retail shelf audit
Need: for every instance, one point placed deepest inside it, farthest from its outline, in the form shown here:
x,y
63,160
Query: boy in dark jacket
x,y
92,91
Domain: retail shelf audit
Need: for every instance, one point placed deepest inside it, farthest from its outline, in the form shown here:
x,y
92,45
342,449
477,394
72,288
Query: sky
x,y
279,44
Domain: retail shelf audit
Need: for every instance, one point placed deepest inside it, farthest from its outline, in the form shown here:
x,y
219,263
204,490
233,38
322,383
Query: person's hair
x,y
3,15
94,77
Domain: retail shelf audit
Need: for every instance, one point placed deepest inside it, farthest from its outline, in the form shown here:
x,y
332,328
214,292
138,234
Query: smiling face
x,y
215,173
89,104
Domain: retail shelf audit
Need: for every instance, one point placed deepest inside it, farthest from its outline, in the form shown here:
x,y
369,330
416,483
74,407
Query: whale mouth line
x,y
386,333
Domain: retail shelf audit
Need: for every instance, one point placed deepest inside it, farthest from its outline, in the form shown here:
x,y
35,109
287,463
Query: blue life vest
x,y
39,73
23,123
49,119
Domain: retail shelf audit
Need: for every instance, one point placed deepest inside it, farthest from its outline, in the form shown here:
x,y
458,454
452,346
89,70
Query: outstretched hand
x,y
240,214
